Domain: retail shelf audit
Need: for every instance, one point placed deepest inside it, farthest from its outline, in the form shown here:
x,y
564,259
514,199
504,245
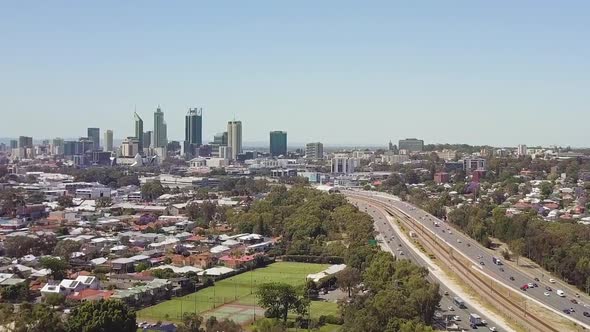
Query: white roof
x,y
49,288
117,248
316,277
169,240
219,249
180,270
216,271
98,261
230,243
251,237
86,280
69,283
139,257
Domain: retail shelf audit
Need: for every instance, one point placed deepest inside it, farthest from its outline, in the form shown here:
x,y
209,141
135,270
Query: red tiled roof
x,y
91,294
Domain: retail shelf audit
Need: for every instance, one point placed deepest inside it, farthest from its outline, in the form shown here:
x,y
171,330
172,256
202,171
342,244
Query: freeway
x,y
509,275
449,313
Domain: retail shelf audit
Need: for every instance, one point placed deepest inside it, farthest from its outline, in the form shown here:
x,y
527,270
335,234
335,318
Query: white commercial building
x,y
344,165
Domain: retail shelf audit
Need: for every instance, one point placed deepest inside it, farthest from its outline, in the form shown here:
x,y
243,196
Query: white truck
x,y
474,320
561,293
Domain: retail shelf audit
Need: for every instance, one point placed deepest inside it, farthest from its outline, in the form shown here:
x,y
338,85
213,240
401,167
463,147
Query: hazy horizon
x,y
497,74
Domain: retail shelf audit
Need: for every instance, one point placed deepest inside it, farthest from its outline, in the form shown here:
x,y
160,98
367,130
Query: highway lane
x,y
482,258
447,309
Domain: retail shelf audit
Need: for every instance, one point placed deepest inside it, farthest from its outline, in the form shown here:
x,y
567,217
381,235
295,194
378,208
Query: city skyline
x,y
475,73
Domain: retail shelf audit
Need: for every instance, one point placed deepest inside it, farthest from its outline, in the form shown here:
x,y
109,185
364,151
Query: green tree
x,y
65,248
347,279
99,316
225,325
280,298
546,189
269,325
37,318
57,266
141,267
152,190
103,202
54,299
65,201
517,246
191,322
14,293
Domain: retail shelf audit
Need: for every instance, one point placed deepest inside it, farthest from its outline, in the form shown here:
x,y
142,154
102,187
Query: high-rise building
x,y
160,138
25,142
13,144
108,140
147,139
278,143
71,148
193,131
521,150
411,144
130,147
314,151
220,138
85,145
94,135
139,130
57,146
234,139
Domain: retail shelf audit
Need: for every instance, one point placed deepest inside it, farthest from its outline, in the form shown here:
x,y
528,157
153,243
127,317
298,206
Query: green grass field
x,y
238,289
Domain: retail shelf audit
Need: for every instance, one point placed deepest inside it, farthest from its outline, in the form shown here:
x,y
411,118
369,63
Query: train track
x,y
484,285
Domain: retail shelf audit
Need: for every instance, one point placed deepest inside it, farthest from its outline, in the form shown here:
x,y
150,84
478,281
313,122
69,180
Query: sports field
x,y
234,295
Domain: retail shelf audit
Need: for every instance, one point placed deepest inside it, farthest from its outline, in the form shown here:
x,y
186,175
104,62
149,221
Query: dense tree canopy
x,y
398,299
100,316
310,222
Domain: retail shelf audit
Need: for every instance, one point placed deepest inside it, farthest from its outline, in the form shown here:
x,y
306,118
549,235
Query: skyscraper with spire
x,y
138,130
193,130
159,135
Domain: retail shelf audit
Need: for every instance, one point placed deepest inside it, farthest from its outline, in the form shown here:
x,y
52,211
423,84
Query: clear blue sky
x,y
479,72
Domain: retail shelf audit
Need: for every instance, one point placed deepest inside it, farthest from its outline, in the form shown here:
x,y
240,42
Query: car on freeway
x,y
547,288
456,318
451,308
493,329
511,278
524,287
537,279
586,314
458,240
546,293
446,293
501,269
567,311
552,281
574,301
531,285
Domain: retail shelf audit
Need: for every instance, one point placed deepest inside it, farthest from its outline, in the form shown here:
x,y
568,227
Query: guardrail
x,y
506,303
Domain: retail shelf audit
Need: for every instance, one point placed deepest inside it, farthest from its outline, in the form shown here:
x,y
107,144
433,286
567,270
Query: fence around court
x,y
236,289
